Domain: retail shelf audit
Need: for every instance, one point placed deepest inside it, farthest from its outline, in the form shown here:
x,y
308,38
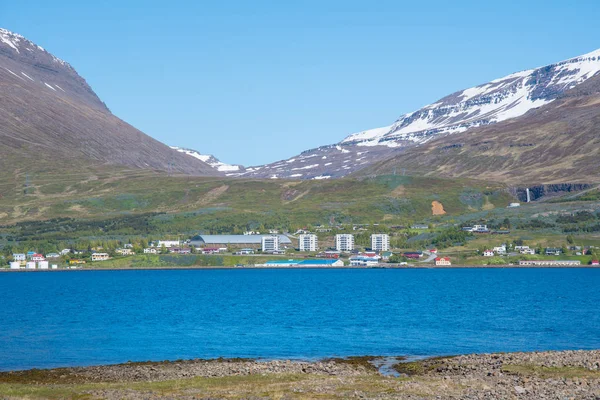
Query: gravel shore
x,y
543,375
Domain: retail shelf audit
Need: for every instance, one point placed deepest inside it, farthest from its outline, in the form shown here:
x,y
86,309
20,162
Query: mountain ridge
x,y
501,99
48,113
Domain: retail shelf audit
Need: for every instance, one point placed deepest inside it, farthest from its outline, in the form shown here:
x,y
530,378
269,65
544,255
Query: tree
x,y
570,239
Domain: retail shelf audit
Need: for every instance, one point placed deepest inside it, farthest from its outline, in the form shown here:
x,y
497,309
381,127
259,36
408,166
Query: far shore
x,y
425,266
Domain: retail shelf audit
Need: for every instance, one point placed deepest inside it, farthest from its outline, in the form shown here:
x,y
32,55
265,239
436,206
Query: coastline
x,y
428,266
533,375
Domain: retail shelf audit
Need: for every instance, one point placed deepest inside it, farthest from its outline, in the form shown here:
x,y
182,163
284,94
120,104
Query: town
x,y
303,249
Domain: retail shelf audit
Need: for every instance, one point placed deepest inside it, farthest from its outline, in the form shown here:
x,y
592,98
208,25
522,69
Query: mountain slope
x,y
557,143
49,114
499,100
227,169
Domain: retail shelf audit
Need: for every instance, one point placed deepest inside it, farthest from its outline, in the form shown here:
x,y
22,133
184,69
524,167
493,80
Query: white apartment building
x,y
380,242
270,243
344,242
308,242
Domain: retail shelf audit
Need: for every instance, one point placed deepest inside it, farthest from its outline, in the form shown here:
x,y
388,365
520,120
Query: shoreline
x,y
525,375
403,267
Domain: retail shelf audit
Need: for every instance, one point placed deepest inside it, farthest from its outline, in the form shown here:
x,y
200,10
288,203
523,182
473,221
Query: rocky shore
x,y
543,375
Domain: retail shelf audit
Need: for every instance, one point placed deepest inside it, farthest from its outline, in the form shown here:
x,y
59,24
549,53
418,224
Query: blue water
x,y
98,317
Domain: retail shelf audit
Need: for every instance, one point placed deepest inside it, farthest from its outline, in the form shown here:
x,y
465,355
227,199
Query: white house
x,y
488,253
270,244
125,252
100,256
443,261
344,242
167,243
19,257
38,257
308,242
528,251
151,250
15,265
500,249
64,252
380,242
52,255
30,265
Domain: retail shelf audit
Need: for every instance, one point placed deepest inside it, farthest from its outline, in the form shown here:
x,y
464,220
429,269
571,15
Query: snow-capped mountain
x,y
211,160
501,99
496,101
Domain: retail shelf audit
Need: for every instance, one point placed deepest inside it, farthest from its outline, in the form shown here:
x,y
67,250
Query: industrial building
x,y
238,241
304,263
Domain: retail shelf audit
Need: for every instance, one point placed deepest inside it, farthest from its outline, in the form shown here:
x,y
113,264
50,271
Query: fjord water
x,y
99,317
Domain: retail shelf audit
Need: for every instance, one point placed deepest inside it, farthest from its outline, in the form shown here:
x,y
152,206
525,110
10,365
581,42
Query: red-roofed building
x,y
595,262
38,257
443,261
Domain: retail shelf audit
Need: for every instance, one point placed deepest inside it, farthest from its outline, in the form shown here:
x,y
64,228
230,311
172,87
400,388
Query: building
x,y
308,242
43,265
488,253
344,242
553,251
15,265
180,250
237,241
527,251
513,205
151,250
270,244
38,257
76,261
99,257
365,260
500,249
64,252
210,250
19,257
550,263
419,226
442,261
245,252
30,254
168,243
52,255
125,252
595,262
30,265
304,263
415,255
380,242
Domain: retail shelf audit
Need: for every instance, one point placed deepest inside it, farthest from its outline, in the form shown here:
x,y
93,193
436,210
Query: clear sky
x,y
257,81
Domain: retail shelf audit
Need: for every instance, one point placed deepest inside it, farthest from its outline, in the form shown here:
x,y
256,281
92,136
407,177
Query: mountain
x,y
211,160
50,118
555,144
500,100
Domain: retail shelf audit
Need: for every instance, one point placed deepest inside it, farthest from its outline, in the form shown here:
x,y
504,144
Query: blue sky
x,y
257,81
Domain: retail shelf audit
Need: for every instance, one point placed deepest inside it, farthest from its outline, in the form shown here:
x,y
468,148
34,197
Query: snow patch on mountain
x,y
210,160
499,100
18,43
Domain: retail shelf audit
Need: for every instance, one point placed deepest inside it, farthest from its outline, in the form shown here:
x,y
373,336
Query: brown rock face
x,y
48,113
